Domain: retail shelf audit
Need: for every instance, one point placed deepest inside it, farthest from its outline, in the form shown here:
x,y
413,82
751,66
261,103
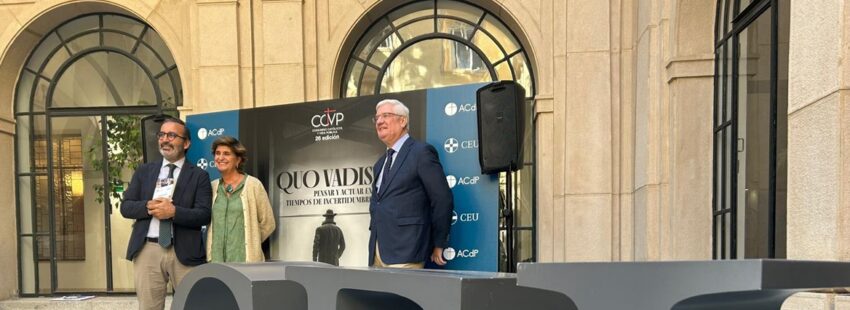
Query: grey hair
x,y
398,108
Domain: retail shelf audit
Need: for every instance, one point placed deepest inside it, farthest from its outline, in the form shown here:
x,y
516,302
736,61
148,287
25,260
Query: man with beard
x,y
170,201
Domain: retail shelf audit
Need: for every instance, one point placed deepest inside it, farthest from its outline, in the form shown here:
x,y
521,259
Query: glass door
x,y
124,150
83,237
74,214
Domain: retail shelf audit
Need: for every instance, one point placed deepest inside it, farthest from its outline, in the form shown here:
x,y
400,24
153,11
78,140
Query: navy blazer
x,y
412,214
192,200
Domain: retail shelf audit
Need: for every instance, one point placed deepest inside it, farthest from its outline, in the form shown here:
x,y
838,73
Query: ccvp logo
x,y
328,118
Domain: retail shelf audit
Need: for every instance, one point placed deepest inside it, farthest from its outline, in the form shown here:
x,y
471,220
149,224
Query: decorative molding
x,y
207,2
17,2
544,105
7,126
690,67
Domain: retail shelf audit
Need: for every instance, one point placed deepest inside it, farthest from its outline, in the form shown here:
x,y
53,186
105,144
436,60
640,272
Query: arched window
x,y
750,129
103,60
432,44
78,104
436,43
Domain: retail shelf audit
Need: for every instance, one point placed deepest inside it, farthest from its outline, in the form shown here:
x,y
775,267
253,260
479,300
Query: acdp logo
x,y
467,253
454,217
203,133
329,118
453,108
450,253
454,181
469,180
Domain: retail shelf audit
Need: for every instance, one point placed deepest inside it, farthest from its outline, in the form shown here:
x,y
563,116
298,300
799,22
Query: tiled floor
x,y
97,303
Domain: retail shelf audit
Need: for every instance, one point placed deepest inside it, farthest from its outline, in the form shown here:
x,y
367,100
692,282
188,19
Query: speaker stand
x,y
508,213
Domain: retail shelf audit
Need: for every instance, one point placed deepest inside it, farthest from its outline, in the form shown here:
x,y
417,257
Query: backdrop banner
x,y
318,156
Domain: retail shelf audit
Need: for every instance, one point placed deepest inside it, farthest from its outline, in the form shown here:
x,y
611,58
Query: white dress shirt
x,y
153,229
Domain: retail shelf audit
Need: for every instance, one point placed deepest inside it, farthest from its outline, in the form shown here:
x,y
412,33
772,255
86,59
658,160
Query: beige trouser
x,y
154,267
379,263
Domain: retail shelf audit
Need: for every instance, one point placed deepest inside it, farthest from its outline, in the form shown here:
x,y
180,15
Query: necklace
x,y
229,188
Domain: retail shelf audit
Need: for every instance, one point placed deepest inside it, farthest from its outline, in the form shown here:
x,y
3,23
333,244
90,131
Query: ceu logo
x,y
452,180
451,145
203,133
468,217
328,118
202,163
453,108
464,217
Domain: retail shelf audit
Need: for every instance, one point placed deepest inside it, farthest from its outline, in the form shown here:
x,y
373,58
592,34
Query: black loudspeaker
x,y
500,124
150,143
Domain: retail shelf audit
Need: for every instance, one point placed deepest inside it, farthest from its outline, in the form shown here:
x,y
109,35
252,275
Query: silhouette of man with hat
x,y
329,242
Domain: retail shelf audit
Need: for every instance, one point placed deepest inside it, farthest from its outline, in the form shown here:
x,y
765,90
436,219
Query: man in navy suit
x,y
411,202
170,201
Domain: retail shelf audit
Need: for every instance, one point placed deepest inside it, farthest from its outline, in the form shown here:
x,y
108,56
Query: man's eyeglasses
x,y
378,117
168,135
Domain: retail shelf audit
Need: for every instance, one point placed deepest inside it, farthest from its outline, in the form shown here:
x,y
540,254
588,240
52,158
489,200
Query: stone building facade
x,y
624,93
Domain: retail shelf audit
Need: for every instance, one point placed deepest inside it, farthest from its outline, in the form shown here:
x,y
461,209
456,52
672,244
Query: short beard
x,y
177,156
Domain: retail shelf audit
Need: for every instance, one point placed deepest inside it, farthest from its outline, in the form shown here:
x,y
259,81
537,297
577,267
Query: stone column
x,y
8,228
583,137
689,76
280,46
650,114
819,131
216,56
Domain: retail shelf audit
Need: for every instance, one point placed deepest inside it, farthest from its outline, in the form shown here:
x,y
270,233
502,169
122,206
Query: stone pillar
x,y
689,76
280,46
583,136
215,52
819,131
8,216
650,114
